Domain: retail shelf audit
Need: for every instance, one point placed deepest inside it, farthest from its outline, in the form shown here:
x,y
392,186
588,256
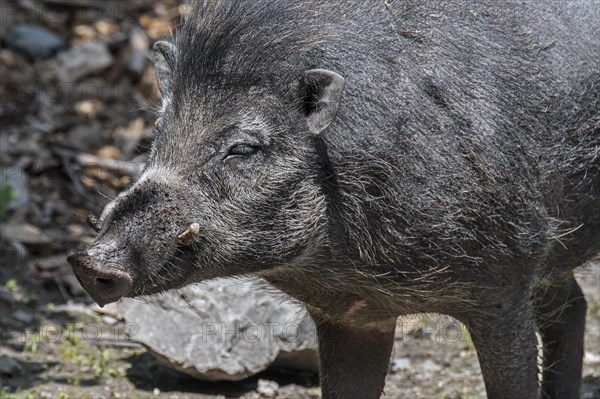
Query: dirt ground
x,y
76,123
69,349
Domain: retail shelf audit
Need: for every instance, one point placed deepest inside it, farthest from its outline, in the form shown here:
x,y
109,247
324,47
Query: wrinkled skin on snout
x,y
222,194
140,228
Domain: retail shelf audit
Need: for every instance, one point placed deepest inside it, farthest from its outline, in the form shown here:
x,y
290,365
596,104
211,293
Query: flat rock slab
x,y
78,62
224,329
35,42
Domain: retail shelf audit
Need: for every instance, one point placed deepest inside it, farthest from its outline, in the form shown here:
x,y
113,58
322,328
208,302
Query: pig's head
x,y
233,184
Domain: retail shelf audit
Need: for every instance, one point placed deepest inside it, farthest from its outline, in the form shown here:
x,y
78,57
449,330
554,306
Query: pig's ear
x,y
165,55
321,93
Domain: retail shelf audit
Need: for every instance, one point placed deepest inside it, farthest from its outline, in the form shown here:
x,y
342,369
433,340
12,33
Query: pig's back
x,y
488,106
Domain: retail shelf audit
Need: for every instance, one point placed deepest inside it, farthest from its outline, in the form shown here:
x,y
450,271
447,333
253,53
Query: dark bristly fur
x,y
460,175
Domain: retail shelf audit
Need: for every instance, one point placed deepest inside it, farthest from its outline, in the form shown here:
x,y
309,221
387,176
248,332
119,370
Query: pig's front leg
x,y
354,359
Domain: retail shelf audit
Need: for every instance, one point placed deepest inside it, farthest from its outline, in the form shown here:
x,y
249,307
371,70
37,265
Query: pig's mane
x,y
237,44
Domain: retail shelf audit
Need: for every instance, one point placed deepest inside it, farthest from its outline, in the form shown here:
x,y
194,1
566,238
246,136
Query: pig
x,y
372,159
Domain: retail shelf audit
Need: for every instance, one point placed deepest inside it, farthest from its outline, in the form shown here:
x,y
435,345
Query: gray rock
x,y
78,62
23,316
35,42
24,233
9,366
138,52
400,364
590,388
7,302
86,136
73,309
16,178
430,365
267,389
224,329
6,295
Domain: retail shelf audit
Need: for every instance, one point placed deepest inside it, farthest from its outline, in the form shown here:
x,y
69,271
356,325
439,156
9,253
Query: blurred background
x,y
77,93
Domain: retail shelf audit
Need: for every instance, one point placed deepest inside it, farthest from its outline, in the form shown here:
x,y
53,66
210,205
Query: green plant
x,y
74,380
30,296
11,284
7,194
466,336
5,393
102,360
455,395
68,353
117,372
32,342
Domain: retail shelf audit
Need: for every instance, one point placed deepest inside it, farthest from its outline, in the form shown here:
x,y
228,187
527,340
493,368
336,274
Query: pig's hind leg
x,y
503,332
560,314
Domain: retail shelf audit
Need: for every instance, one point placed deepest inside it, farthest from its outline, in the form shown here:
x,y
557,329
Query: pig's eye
x,y
241,150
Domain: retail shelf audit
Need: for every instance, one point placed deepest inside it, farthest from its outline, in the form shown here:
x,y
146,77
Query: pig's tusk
x,y
187,237
93,222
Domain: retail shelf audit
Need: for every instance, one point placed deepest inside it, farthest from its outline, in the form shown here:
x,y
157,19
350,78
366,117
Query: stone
x,y
7,303
267,389
24,233
75,309
23,316
87,136
224,329
430,365
138,52
591,358
35,42
78,62
9,366
590,387
400,364
111,309
15,177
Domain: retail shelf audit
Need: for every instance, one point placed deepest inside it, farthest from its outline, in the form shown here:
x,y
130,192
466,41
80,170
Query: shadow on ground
x,y
147,373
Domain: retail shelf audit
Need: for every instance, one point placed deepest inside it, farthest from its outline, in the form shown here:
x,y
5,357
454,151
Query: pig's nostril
x,y
109,287
105,281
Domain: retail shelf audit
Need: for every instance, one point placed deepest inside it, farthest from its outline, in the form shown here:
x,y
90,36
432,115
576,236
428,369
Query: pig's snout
x,y
105,284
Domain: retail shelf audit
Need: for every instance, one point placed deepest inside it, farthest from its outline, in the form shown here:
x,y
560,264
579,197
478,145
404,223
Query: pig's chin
x,y
148,288
175,273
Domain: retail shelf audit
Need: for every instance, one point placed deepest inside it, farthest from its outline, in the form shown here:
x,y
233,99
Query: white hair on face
x,y
158,174
253,122
165,103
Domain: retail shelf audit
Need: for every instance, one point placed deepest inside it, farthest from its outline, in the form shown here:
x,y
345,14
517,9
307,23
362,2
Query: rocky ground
x,y
57,348
77,92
